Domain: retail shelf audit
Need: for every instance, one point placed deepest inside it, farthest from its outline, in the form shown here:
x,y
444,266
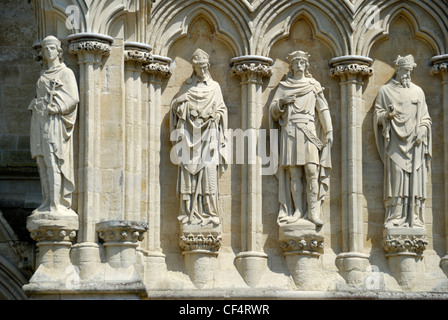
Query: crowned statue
x,y
300,111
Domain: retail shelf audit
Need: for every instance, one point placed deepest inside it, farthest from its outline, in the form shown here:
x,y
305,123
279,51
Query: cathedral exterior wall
x,y
131,59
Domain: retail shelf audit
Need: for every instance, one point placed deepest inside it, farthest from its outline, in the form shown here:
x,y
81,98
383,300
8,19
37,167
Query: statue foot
x,y
45,206
215,220
317,221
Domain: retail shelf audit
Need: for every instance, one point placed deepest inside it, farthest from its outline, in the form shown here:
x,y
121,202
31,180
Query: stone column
x,y
155,73
136,55
352,70
440,67
90,49
121,239
252,261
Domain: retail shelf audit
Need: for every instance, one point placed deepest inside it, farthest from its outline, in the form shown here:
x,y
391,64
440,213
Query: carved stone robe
x,y
199,123
303,126
405,164
51,134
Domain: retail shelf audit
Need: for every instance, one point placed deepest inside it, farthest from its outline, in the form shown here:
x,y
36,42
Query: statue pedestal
x,y
54,232
404,248
251,265
353,267
302,247
444,264
120,243
200,245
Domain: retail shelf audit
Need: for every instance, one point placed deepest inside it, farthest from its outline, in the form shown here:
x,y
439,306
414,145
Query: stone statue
x,y
402,128
54,112
199,123
301,111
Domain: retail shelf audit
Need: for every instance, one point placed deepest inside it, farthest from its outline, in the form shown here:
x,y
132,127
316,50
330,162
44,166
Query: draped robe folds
x,y
199,123
303,126
51,134
405,163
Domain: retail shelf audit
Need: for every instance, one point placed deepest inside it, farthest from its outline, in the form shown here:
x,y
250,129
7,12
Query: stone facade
x,y
130,59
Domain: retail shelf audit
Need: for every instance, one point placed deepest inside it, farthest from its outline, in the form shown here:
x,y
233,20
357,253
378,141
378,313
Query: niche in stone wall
x,y
303,35
202,33
403,38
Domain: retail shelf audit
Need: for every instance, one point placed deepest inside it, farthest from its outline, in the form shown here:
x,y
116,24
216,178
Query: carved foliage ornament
x,y
405,243
92,46
353,69
199,241
158,68
138,55
439,67
252,69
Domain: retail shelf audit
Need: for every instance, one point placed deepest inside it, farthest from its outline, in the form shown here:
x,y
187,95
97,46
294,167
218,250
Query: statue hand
x,y
421,134
391,112
287,100
215,117
330,138
53,109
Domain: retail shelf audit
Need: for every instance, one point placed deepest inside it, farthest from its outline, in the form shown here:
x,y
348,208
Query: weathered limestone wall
x,y
19,75
130,59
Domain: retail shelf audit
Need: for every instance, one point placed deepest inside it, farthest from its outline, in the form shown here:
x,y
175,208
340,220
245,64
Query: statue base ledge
x,y
88,290
301,236
53,219
403,231
188,228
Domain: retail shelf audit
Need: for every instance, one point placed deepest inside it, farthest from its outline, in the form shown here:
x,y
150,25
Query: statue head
x,y
299,61
201,64
51,48
403,68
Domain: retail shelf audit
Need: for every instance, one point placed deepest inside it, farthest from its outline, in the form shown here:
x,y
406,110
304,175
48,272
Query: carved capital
x,y
158,69
137,55
305,243
159,66
251,66
251,70
53,234
351,66
95,44
138,52
121,231
439,65
90,46
200,241
56,227
351,69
